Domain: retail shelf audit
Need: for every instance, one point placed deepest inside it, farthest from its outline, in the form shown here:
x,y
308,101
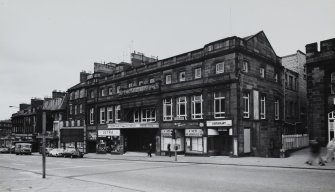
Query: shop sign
x,y
139,89
222,129
193,132
132,125
104,133
220,123
166,132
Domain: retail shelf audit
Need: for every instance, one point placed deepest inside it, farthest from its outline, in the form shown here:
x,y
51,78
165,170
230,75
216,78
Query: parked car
x,y
57,152
22,148
4,150
72,152
47,150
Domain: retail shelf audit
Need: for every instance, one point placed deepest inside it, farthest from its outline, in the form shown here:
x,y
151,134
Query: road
x,y
23,173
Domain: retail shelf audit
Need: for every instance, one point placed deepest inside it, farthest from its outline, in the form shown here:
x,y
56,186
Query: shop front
x,y
196,142
109,141
73,137
220,137
135,136
91,139
175,144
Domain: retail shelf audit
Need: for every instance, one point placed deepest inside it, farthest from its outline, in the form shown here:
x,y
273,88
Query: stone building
x,y
321,89
6,133
225,98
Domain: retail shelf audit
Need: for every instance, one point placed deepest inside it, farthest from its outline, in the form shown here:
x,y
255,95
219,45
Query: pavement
x,y
295,160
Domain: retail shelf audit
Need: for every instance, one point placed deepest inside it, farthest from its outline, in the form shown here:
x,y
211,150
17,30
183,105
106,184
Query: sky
x,y
45,44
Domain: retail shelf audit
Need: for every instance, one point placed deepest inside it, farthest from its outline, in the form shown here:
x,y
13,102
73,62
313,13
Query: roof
x,y
79,85
54,104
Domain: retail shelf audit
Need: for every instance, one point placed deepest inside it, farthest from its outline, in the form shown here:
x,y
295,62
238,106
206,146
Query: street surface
x,y
23,173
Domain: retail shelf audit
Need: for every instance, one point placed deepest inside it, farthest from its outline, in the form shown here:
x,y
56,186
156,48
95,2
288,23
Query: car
x,y
72,152
47,150
23,148
4,150
57,152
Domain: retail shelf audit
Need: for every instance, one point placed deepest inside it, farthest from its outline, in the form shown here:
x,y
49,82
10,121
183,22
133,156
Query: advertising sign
x,y
219,123
132,125
194,132
105,133
166,132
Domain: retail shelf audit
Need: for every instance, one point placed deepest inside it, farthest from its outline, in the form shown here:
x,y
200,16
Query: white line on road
x,y
20,164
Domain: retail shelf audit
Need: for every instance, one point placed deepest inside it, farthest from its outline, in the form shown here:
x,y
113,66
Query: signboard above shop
x,y
194,132
110,132
220,123
132,125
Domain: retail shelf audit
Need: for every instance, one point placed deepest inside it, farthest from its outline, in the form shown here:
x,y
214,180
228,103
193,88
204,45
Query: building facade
x,y
223,99
6,133
321,89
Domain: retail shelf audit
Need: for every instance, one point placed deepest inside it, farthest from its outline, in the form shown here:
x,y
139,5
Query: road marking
x,y
87,166
20,164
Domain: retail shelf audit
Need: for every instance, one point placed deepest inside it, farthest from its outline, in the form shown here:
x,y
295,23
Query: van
x,y
23,148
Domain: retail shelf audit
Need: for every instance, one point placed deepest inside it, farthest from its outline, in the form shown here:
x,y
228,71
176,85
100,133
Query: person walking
x,y
169,149
150,150
330,151
315,153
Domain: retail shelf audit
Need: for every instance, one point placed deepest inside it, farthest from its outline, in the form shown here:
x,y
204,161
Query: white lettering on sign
x,y
102,133
221,123
140,89
194,132
166,132
132,125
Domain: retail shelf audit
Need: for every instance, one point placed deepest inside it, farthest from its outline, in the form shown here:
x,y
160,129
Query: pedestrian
x,y
315,149
150,150
169,149
330,151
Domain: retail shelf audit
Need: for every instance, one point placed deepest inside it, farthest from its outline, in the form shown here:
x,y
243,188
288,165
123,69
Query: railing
x,y
295,141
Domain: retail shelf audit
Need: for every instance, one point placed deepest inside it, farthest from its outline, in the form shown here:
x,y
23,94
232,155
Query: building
x,y
321,89
6,133
295,93
225,98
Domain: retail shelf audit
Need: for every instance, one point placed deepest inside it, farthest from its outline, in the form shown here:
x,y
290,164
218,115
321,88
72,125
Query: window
x,y
210,48
197,73
290,82
332,83
277,109
152,80
167,79
70,109
196,107
286,80
81,108
262,72
182,76
102,92
82,93
220,68
118,89
140,83
75,109
102,115
137,115
263,107
130,85
76,96
246,106
110,91
92,94
276,77
219,105
167,109
181,107
194,144
109,114
245,66
149,115
91,115
117,113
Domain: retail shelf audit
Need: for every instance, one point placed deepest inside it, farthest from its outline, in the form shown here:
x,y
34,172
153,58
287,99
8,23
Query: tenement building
x,y
321,89
225,98
6,133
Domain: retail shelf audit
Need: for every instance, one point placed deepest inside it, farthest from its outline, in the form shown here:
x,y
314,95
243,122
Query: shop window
x,y
109,114
182,76
219,68
136,115
117,113
194,144
196,107
246,105
167,79
167,109
181,107
102,115
245,66
91,115
219,105
148,115
277,109
263,107
197,73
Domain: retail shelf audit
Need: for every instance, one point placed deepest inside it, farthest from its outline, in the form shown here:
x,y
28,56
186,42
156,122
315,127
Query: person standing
x,y
330,150
150,150
169,149
315,153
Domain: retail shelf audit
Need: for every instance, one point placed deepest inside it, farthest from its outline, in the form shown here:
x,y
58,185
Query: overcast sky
x,y
45,44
